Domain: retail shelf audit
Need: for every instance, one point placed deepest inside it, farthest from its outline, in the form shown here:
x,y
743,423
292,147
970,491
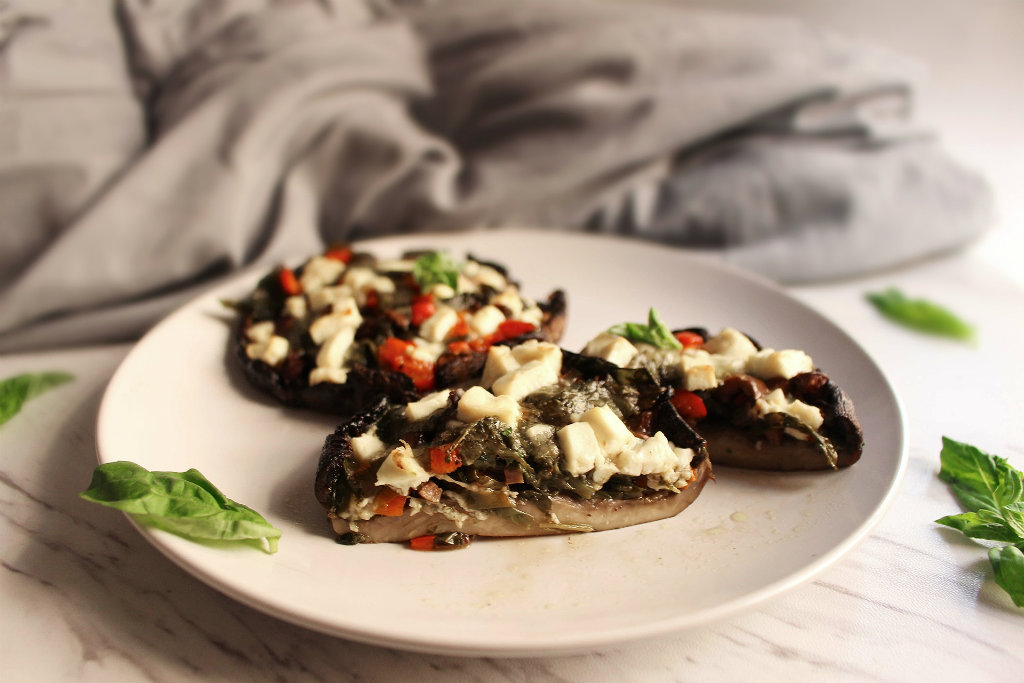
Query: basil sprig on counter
x,y
993,493
921,315
183,503
436,267
16,390
654,332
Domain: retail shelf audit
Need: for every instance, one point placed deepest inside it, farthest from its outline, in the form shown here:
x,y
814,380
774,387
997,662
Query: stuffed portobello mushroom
x,y
344,329
758,408
546,442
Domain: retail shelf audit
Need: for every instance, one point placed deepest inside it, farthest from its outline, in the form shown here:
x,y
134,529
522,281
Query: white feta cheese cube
x,y
700,377
486,275
478,403
612,434
534,349
689,358
775,401
401,471
359,277
382,284
344,316
260,332
332,352
726,366
367,447
769,363
325,296
486,320
320,272
295,306
500,361
540,433
604,468
271,352
612,348
332,375
276,351
510,300
532,314
731,343
465,285
436,327
428,405
680,475
441,291
579,447
425,351
654,455
525,380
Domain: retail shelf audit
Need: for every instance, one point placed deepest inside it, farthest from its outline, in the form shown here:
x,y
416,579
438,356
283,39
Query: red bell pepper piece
x,y
423,307
690,340
445,459
289,283
339,253
690,405
422,542
389,503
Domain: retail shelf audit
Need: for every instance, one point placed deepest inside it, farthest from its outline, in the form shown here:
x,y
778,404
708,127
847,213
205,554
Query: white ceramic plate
x,y
177,402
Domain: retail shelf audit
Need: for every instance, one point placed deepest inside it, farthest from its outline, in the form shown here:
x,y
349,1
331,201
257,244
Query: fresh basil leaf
x,y
1008,567
183,503
993,493
979,480
636,332
436,267
921,314
655,332
660,331
980,525
16,390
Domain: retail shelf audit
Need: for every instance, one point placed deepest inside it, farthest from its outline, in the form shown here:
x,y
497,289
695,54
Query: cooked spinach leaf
x,y
16,390
920,314
183,503
993,493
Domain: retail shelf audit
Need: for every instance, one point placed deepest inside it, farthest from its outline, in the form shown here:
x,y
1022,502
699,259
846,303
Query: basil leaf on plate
x,y
182,503
436,267
921,314
655,332
16,390
993,493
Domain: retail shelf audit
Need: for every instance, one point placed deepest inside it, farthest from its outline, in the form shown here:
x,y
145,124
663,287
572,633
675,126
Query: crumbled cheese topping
x,y
478,403
601,445
520,370
775,401
401,471
728,353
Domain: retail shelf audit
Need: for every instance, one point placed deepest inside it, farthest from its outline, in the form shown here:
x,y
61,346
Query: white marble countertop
x,y
87,598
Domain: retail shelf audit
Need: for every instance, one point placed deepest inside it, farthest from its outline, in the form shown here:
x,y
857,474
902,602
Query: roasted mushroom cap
x,y
574,515
777,441
340,476
288,382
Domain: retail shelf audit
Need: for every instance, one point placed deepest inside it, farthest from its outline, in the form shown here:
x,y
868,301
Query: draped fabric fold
x,y
276,127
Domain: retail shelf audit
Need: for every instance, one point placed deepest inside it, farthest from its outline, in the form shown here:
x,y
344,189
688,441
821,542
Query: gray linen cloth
x,y
276,126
